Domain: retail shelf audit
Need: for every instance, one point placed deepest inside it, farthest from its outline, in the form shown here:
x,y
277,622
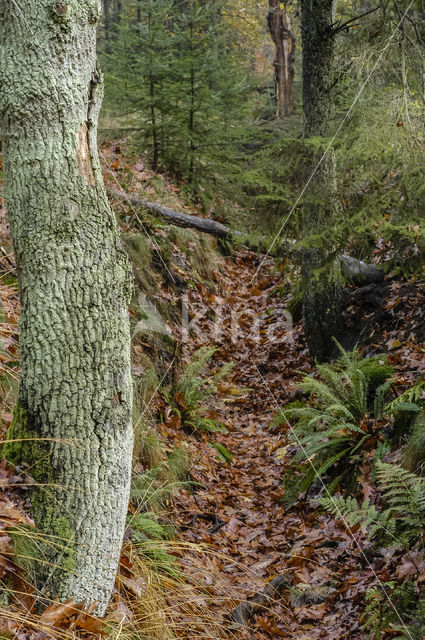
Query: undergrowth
x,y
348,417
395,522
188,397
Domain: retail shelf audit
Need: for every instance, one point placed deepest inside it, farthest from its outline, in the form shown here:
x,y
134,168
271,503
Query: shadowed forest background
x,y
265,167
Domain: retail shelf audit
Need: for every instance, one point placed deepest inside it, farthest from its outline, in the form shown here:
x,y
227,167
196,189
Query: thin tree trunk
x,y
138,17
75,394
323,299
155,158
107,23
154,127
279,24
191,108
117,16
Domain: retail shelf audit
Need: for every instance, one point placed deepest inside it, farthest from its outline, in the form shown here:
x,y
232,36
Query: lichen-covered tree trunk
x,y
283,38
323,299
75,394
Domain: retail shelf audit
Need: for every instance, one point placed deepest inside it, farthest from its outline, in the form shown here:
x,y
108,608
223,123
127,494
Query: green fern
x,y
149,537
373,619
340,422
400,520
413,397
150,489
405,494
145,526
406,409
414,627
344,420
194,388
370,519
414,453
393,604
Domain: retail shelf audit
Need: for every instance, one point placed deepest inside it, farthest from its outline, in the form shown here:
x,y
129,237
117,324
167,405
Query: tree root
x,y
244,612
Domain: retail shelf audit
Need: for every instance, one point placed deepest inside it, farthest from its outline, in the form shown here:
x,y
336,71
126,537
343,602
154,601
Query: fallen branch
x,y
356,271
206,225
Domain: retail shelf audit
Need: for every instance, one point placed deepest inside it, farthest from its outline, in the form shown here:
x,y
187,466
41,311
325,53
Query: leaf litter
x,y
236,478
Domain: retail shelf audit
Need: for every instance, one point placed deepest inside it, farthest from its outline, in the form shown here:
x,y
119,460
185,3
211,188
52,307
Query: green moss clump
x,y
23,444
50,543
376,370
37,548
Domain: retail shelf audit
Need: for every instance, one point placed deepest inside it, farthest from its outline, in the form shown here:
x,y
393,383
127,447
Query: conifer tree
x,y
175,74
323,298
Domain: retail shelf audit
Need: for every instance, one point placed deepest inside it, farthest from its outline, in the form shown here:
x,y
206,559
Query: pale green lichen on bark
x,y
75,282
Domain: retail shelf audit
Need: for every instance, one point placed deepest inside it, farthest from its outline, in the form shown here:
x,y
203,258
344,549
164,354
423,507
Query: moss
x,y
23,444
376,370
53,532
10,280
51,542
26,552
178,463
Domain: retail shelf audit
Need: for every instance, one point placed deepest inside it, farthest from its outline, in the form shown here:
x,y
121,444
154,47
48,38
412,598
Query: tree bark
x,y
75,394
279,24
323,299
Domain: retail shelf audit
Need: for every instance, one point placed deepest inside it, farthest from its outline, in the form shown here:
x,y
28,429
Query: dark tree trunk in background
x,y
111,18
107,22
323,298
279,25
73,421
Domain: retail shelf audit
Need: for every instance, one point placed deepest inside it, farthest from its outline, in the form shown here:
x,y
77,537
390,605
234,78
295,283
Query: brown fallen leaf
x,y
137,586
314,612
92,624
11,516
58,612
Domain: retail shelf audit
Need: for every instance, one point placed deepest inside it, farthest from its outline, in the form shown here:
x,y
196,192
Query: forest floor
x,y
236,534
328,568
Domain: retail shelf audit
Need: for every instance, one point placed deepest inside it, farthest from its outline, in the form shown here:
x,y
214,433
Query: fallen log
x,y
361,273
356,271
206,225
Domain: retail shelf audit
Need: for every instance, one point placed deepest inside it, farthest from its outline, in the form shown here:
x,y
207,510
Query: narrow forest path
x,y
259,540
234,533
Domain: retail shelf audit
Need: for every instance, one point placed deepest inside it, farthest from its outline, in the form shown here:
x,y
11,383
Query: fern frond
x,y
412,396
194,388
370,519
404,492
414,454
344,402
146,526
